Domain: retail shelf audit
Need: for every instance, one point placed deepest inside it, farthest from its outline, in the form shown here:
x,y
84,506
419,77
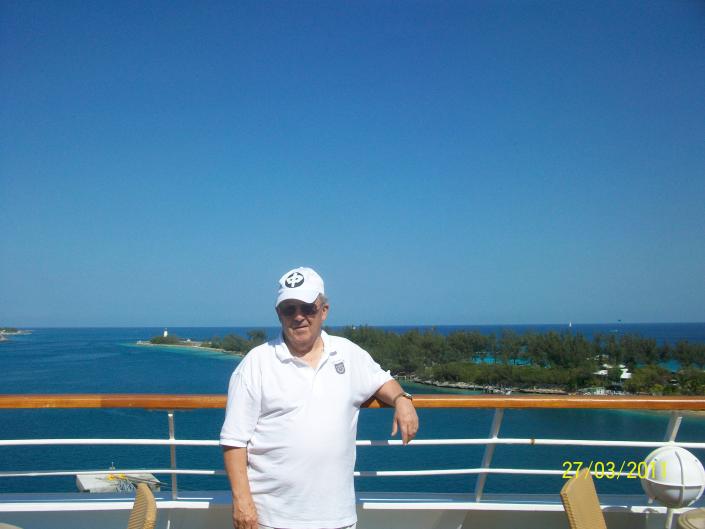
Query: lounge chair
x,y
581,504
144,511
692,519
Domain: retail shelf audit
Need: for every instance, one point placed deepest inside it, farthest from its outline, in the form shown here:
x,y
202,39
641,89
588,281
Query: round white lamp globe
x,y
673,476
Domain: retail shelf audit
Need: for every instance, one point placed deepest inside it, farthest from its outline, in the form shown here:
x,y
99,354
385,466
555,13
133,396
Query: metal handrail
x,y
532,441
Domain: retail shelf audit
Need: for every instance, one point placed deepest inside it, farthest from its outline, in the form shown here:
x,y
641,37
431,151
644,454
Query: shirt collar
x,y
283,353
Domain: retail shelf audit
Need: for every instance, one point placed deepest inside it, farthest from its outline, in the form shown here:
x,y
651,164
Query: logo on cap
x,y
294,280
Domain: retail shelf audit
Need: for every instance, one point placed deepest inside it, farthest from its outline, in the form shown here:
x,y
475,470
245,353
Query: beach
x,y
190,345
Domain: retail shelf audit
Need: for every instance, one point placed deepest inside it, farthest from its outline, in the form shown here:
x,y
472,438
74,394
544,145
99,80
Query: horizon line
x,y
410,325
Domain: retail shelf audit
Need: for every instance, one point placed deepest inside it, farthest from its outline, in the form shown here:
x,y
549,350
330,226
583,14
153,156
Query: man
x,y
291,421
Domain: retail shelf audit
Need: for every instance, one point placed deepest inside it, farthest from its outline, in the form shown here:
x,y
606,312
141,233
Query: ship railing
x,y
676,405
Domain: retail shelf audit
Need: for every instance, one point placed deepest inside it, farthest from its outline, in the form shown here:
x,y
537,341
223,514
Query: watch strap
x,y
402,394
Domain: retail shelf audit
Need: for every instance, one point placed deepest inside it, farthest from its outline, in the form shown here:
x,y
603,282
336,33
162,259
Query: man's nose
x,y
299,313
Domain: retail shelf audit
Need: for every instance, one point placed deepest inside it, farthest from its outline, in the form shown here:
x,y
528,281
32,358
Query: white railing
x,y
430,401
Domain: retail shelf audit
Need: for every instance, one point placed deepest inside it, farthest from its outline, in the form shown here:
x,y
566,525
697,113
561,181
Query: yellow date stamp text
x,y
615,469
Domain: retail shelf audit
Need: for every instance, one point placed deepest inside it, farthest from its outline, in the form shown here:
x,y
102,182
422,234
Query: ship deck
x,y
211,509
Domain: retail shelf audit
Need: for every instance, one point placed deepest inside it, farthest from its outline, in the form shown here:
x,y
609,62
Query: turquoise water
x,y
106,360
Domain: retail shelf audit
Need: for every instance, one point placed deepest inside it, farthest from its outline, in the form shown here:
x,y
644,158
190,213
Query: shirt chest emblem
x,y
340,367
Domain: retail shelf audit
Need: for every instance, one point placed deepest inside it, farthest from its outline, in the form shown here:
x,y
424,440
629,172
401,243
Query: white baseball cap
x,y
301,283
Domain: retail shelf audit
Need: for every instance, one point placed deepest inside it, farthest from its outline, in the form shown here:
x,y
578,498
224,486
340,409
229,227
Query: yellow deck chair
x,y
144,511
581,504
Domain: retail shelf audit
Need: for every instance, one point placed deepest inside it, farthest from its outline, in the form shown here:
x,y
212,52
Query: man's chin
x,y
301,334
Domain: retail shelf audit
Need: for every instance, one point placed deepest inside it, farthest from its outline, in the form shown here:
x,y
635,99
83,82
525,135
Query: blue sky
x,y
163,163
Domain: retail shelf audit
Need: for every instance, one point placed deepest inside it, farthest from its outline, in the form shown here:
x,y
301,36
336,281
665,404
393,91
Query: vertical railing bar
x,y
489,452
172,453
674,423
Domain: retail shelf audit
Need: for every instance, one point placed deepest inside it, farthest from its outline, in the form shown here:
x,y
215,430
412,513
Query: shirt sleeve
x,y
243,407
369,375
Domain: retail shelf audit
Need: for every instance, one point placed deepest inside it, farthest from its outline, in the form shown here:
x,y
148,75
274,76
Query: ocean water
x,y
106,360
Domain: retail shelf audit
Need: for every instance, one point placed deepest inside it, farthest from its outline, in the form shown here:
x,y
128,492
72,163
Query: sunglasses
x,y
307,309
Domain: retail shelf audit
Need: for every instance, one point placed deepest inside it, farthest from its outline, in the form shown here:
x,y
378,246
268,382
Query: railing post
x,y
172,452
489,452
674,423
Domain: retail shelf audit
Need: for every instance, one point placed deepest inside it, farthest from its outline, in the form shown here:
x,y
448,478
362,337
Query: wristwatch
x,y
402,394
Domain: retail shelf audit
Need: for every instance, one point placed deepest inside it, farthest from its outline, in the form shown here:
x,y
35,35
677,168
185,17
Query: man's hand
x,y
244,510
244,515
405,419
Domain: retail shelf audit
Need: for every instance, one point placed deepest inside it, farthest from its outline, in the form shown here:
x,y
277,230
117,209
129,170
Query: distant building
x,y
595,390
625,375
166,333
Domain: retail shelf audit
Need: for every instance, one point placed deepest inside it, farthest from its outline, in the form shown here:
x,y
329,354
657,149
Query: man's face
x,y
302,322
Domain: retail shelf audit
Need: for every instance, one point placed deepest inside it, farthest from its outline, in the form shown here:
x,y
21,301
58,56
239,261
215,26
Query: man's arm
x,y
405,418
244,510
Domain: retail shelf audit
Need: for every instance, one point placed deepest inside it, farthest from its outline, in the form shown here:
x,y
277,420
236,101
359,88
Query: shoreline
x,y
192,345
497,390
509,390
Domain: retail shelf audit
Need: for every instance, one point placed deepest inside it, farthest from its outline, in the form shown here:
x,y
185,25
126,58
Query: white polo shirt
x,y
299,425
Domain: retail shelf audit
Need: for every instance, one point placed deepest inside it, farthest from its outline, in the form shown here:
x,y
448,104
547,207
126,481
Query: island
x,y
230,344
551,362
543,363
11,331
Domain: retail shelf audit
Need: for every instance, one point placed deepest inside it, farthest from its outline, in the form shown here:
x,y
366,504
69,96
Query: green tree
x,y
645,379
171,339
257,337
